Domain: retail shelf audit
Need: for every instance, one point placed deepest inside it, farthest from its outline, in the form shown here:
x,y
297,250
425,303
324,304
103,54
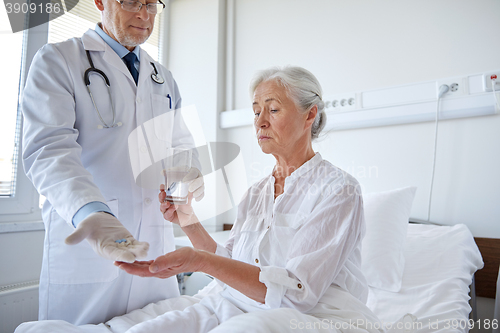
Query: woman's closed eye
x,y
257,113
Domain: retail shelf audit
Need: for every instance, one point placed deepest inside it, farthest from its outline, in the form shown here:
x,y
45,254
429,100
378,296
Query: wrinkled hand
x,y
196,183
185,259
183,215
101,231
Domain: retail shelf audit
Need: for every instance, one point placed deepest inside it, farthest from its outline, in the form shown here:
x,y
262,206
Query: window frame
x,y
24,206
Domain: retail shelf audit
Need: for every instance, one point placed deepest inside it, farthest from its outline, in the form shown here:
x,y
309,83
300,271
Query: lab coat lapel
x,y
114,60
93,42
145,67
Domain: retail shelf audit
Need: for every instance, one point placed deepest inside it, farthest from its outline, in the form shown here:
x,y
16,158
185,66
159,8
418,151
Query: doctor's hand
x,y
183,215
108,238
185,259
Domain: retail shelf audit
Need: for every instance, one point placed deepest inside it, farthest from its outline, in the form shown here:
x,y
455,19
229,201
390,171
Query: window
x,y
18,198
9,91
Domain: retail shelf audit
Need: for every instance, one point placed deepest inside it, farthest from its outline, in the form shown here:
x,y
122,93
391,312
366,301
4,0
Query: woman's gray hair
x,y
302,87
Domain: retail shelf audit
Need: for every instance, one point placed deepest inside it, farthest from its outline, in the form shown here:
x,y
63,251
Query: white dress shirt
x,y
305,242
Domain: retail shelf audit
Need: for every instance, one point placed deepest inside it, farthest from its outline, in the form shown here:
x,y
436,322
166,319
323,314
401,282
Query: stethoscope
x,y
92,70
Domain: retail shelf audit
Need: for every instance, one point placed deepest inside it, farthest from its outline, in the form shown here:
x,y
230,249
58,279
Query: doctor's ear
x,y
99,4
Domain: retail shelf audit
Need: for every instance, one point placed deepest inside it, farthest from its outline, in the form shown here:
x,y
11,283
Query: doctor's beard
x,y
121,36
130,41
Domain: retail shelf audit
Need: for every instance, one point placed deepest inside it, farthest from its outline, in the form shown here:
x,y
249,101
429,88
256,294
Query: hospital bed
x,y
419,274
435,295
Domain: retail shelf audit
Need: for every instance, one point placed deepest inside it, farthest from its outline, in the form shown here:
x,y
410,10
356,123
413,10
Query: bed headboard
x,y
486,278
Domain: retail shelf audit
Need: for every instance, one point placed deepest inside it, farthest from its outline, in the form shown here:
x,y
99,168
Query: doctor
x,y
77,155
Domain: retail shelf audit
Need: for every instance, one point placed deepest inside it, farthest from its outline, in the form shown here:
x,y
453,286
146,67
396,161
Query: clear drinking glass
x,y
176,166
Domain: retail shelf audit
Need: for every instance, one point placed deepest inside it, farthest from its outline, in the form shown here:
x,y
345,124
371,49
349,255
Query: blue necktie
x,y
130,59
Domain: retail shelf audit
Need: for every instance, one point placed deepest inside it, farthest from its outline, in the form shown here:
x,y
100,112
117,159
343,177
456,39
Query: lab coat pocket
x,y
163,117
158,130
75,264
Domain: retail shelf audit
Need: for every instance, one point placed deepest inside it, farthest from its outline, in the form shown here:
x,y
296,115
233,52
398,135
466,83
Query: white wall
x,y
20,256
193,57
364,45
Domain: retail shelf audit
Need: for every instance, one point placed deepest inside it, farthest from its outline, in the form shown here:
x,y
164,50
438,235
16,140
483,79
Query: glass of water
x,y
176,166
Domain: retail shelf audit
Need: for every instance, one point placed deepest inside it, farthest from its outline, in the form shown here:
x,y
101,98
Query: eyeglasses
x,y
135,6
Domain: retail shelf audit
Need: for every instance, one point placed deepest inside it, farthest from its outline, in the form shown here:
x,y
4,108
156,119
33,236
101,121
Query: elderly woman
x,y
294,249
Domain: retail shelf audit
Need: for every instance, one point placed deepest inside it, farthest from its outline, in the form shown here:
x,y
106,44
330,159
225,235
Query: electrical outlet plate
x,y
456,87
341,103
487,81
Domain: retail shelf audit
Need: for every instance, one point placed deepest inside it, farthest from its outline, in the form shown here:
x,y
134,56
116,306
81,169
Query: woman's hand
x,y
185,259
182,215
237,274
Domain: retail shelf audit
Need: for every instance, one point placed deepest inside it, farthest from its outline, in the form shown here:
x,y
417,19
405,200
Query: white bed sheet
x,y
440,263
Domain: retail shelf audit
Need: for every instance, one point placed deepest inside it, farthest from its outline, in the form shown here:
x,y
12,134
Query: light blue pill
x,y
120,240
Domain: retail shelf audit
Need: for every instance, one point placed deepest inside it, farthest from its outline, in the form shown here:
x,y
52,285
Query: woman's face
x,y
281,129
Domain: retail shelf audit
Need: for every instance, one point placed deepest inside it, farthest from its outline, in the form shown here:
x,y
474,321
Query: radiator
x,y
18,303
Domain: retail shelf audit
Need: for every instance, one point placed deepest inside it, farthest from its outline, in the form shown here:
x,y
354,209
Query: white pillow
x,y
386,216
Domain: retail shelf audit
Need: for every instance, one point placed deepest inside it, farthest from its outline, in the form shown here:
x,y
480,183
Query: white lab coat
x,y
72,162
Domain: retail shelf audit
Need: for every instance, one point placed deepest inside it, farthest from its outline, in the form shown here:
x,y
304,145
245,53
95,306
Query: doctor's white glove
x,y
108,238
196,183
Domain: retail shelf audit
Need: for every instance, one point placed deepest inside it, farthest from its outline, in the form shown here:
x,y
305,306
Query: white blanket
x,y
155,318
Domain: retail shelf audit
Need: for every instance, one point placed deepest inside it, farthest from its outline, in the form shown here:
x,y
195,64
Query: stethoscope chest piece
x,y
157,78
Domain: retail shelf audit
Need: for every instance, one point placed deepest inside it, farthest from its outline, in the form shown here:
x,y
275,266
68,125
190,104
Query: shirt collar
x,y
311,164
117,47
304,168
